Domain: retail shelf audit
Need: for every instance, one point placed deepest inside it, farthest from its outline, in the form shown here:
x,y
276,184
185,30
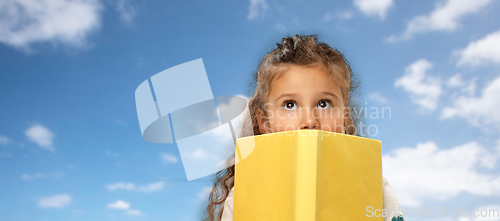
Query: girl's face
x,y
303,98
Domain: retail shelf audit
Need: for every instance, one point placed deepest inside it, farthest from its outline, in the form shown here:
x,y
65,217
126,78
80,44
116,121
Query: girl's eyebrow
x,y
284,95
331,94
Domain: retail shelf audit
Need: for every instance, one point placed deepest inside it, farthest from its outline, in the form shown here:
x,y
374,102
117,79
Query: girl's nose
x,y
308,120
315,126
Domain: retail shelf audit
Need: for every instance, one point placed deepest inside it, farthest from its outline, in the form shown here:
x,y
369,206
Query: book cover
x,y
307,175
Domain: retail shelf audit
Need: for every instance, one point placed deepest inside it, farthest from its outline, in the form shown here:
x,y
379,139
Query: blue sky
x,y
70,142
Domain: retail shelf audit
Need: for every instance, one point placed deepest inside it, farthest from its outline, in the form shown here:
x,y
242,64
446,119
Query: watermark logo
x,y
178,103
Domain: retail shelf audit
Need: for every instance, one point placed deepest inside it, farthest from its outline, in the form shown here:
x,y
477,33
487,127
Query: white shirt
x,y
390,202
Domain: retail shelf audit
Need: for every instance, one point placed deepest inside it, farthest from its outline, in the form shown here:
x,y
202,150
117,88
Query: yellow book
x,y
307,175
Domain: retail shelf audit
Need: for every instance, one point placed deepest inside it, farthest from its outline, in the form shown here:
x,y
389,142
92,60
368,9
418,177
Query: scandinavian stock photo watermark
x,y
335,116
433,212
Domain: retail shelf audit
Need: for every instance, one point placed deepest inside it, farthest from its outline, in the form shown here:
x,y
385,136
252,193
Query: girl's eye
x,y
324,104
289,105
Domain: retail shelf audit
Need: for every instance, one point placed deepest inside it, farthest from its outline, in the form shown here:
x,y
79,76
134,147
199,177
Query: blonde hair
x,y
296,50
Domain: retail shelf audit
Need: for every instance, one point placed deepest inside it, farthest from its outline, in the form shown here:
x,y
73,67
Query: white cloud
x,y
479,110
120,204
199,154
204,154
482,51
34,176
132,187
111,154
120,186
445,17
41,136
126,10
378,97
428,172
423,88
134,212
121,122
257,8
151,187
25,22
123,205
328,16
168,158
374,7
4,140
465,87
204,193
455,81
280,27
57,201
340,15
470,88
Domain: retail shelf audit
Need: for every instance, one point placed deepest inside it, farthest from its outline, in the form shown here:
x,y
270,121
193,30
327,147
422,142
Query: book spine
x,y
306,176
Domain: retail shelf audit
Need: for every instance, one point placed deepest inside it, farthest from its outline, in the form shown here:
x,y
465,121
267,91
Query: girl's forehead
x,y
283,69
303,79
304,75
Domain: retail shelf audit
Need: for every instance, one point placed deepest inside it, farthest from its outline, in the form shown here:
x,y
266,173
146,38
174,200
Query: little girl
x,y
303,84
